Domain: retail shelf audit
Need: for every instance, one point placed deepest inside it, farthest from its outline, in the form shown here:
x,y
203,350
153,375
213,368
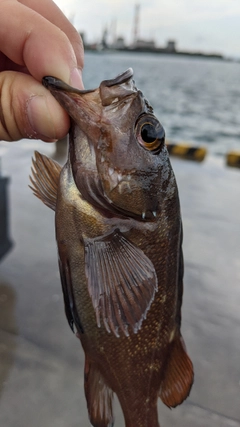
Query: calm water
x,y
196,100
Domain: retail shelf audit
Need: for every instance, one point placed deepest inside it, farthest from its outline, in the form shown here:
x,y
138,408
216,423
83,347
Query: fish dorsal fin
x,y
178,377
99,397
44,179
121,282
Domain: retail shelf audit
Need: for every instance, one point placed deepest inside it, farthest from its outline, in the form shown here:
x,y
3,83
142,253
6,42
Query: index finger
x,y
30,40
49,10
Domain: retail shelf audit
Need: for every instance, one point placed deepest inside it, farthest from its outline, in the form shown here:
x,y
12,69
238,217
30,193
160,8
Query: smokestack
x,y
136,23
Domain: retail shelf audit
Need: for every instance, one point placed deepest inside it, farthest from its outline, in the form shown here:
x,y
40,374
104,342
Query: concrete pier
x,y
41,361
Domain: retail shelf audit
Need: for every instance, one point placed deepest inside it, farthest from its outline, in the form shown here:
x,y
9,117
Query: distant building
x,y
171,46
144,44
119,43
104,42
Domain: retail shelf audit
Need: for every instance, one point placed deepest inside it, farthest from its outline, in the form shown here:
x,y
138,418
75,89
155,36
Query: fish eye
x,y
150,133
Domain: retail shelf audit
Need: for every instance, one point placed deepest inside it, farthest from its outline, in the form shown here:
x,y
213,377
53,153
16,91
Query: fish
x,y
119,237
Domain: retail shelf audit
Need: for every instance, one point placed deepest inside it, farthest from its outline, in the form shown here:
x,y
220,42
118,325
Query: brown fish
x,y
119,236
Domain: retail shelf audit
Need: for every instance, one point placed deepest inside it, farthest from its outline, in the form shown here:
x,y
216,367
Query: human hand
x,y
36,40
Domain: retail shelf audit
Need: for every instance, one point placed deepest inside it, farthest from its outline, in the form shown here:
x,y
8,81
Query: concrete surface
x,y
41,362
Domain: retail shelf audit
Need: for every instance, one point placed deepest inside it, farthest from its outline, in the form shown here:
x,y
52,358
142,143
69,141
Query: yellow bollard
x,y
233,159
187,151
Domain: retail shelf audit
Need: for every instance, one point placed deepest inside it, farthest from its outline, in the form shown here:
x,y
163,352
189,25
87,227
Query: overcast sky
x,y
206,25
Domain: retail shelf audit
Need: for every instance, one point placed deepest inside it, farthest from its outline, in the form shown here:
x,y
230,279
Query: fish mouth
x,y
79,103
53,84
85,107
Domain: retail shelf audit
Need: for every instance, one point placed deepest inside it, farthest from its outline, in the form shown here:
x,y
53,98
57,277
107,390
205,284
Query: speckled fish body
x,y
119,236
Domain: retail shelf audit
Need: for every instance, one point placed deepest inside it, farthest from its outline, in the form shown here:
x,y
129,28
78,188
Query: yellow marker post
x,y
187,151
233,159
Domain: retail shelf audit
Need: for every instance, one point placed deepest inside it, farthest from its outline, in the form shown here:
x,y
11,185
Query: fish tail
x,y
99,397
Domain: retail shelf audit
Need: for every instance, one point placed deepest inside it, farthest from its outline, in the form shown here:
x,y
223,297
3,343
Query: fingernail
x,y
40,118
76,79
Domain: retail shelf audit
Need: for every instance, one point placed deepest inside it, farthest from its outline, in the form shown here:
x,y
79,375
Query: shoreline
x,y
158,51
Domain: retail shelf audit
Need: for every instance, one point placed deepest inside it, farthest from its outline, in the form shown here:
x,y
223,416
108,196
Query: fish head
x,y
117,151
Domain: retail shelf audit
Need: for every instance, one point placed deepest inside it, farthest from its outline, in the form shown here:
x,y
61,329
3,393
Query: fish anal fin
x,y
99,397
121,282
44,179
178,377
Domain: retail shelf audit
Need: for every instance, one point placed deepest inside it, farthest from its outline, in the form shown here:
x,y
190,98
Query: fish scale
x,y
119,236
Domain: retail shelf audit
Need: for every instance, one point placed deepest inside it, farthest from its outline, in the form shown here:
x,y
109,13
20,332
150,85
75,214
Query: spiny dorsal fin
x,y
178,377
44,179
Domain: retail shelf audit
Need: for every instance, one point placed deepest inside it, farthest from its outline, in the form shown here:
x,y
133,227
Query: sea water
x,y
196,100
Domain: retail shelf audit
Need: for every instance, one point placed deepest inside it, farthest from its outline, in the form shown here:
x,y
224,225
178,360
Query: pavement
x,y
41,361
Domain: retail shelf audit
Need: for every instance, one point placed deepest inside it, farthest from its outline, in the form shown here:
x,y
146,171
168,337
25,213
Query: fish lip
x,y
49,81
54,84
121,78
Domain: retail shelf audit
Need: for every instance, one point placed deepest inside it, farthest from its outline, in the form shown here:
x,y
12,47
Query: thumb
x,y
28,110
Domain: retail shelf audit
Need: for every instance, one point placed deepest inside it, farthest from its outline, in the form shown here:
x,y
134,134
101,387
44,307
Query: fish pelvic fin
x,y
67,288
121,282
178,376
44,179
99,397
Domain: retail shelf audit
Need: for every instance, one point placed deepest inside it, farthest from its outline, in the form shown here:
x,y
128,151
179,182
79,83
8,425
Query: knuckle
x,y
9,129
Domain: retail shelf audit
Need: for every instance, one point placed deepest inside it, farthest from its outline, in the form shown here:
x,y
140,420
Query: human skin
x,y
36,40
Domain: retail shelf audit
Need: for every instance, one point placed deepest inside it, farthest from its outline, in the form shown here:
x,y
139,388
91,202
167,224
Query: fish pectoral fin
x,y
121,282
178,377
99,397
44,179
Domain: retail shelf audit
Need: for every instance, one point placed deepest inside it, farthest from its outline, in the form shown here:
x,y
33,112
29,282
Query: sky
x,y
196,25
